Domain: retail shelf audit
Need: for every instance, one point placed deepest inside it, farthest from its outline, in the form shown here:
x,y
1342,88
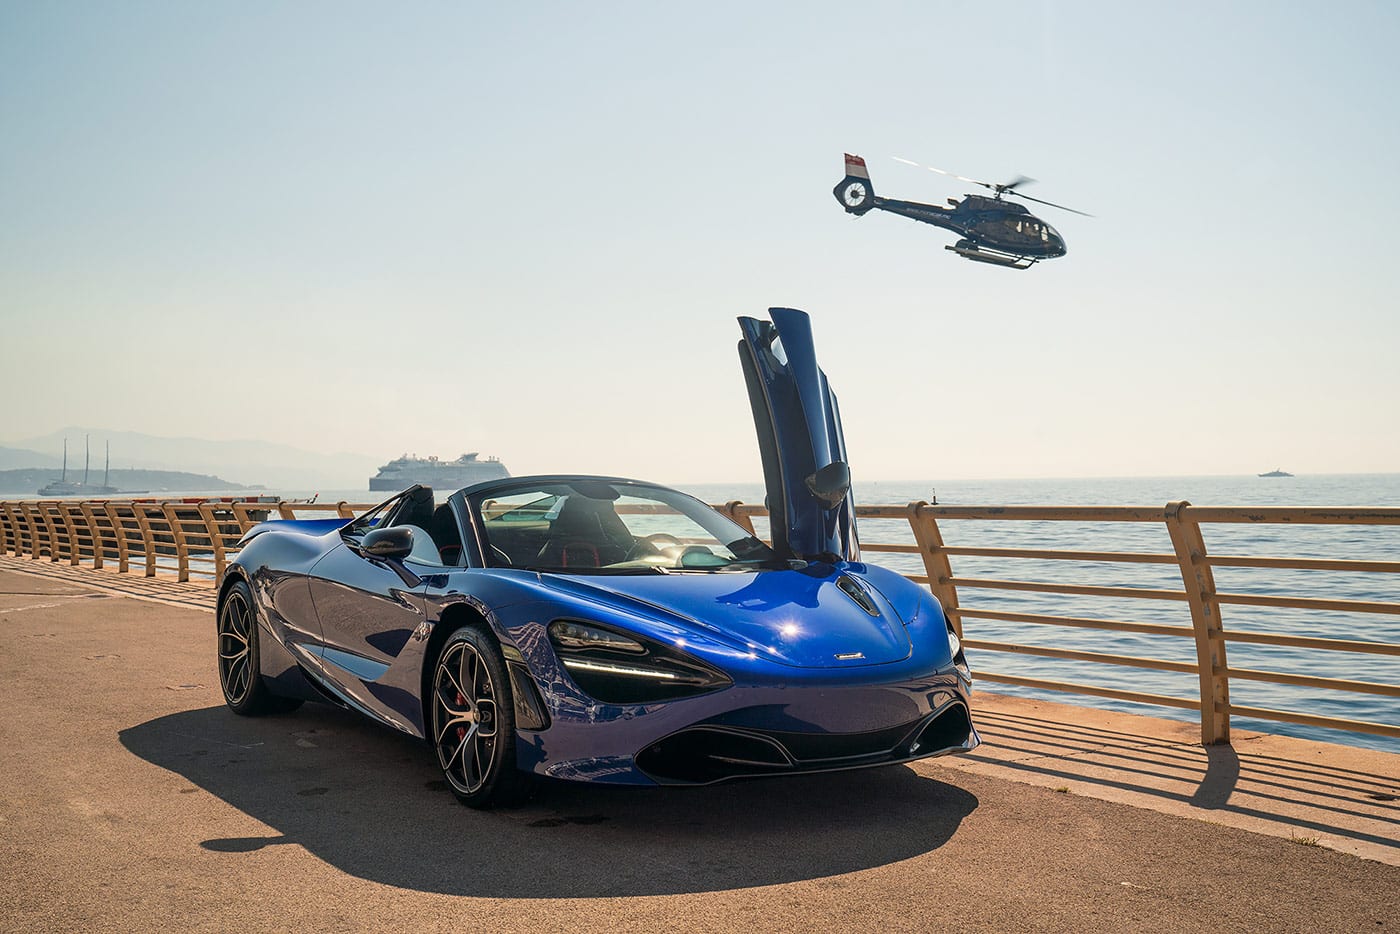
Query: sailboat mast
x,y
107,471
65,459
87,458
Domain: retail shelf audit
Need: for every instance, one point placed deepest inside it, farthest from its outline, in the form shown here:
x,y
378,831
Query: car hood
x,y
807,618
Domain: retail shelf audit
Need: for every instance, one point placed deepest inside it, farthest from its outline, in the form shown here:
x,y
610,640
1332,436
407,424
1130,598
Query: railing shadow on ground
x,y
1225,779
372,803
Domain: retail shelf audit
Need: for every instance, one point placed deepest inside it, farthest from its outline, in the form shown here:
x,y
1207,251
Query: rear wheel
x,y
240,676
473,722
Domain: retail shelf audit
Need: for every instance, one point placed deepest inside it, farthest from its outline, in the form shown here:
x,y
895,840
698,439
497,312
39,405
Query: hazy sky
x,y
526,229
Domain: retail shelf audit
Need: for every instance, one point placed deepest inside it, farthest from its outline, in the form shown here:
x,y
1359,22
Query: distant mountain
x,y
10,458
256,463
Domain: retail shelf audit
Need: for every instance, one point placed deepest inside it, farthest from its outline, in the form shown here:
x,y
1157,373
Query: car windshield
x,y
598,526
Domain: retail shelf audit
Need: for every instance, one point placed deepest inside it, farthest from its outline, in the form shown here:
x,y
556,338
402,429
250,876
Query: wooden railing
x,y
191,540
1202,624
198,539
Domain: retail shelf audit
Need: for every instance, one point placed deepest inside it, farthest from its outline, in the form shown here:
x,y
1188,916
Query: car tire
x,y
472,724
245,691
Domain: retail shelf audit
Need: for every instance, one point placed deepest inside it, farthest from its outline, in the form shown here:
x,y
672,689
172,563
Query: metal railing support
x,y
95,533
70,530
940,572
731,511
216,538
1199,582
148,537
38,532
171,511
119,533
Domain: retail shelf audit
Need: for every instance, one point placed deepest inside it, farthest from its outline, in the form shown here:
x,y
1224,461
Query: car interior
x,y
436,537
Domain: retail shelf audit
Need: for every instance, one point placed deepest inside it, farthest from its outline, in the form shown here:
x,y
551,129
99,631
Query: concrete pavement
x,y
130,799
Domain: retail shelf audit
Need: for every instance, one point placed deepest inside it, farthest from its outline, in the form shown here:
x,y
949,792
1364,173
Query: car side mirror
x,y
394,543
831,484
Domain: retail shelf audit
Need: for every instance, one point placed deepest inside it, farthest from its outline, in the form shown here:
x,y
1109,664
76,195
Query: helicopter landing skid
x,y
969,250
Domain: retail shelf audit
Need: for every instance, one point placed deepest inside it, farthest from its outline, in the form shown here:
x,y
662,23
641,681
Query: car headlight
x,y
955,650
567,634
625,669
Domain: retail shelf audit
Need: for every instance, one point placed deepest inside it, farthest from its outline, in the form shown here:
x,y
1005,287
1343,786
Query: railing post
x,y
46,516
38,530
1199,582
284,509
98,545
244,519
216,538
940,572
119,531
13,524
343,510
177,535
148,535
71,530
730,510
9,533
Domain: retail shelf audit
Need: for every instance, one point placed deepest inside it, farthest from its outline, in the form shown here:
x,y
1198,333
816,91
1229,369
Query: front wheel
x,y
240,676
473,722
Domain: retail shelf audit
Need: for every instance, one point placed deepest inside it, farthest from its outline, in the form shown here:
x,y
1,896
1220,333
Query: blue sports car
x,y
608,630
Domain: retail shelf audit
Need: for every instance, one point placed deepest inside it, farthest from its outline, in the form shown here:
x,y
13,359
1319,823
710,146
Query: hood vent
x,y
857,593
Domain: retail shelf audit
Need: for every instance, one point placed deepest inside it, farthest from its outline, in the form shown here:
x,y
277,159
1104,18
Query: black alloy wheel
x,y
473,722
245,692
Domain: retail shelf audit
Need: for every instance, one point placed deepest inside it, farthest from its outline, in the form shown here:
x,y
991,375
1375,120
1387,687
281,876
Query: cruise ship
x,y
403,472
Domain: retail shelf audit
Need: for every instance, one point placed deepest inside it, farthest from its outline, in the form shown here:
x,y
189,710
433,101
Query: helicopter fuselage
x,y
993,230
986,222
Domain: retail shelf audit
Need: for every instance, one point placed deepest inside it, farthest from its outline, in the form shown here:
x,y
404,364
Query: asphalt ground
x,y
132,800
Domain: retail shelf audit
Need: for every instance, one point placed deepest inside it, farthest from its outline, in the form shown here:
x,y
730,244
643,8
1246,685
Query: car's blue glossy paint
x,y
816,650
367,615
799,433
799,618
312,527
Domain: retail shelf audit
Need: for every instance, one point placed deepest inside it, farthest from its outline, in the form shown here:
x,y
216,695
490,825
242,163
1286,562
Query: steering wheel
x,y
651,544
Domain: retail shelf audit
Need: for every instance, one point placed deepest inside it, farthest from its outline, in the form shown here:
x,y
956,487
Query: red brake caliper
x,y
461,730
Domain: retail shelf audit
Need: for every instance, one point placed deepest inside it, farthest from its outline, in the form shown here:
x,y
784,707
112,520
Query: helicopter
x,y
993,230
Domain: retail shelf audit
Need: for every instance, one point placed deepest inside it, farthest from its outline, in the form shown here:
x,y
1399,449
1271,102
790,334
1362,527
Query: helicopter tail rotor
x,y
855,192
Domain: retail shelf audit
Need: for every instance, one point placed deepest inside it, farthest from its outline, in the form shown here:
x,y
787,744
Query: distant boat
x,y
1276,472
65,487
403,472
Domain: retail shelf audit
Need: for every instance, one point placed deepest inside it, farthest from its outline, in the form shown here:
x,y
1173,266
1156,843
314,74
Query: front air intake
x,y
950,729
701,755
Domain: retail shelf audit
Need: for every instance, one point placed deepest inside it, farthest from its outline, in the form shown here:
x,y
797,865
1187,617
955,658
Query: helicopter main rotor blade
x,y
1016,182
961,178
1050,204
